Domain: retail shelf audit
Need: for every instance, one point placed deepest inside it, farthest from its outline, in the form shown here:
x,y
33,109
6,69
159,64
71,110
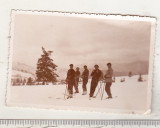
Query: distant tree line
x,y
25,81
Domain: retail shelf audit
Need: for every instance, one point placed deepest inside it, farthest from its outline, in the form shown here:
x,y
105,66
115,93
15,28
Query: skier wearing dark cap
x,y
85,75
77,75
70,80
96,74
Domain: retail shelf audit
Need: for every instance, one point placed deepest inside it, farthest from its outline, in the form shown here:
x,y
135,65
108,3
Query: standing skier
x,y
108,79
85,75
70,80
96,74
77,75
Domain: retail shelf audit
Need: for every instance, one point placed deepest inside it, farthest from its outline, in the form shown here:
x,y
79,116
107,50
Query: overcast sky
x,y
80,40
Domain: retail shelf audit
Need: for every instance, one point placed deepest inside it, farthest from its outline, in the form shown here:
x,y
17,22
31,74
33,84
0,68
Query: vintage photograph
x,y
84,62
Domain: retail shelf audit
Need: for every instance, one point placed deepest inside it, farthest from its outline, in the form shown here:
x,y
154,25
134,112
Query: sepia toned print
x,y
66,61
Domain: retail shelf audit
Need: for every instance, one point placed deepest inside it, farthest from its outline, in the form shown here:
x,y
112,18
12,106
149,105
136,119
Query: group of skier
x,y
97,75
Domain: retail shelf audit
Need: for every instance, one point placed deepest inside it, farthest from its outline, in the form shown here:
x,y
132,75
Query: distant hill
x,y
121,69
22,70
134,67
62,73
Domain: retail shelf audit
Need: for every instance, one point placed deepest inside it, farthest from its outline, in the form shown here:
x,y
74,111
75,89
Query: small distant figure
x,y
108,78
140,79
70,80
24,81
77,75
130,74
96,74
122,80
85,75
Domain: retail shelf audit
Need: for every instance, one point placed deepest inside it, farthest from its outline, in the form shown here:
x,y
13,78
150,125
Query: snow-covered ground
x,y
128,97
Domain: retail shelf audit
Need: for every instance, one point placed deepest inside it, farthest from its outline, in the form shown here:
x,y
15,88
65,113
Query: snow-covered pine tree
x,y
29,81
46,68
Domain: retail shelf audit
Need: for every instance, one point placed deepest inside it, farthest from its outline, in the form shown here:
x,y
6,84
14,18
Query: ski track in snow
x,y
129,95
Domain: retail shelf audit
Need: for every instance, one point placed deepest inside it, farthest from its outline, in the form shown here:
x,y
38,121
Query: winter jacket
x,y
71,75
96,74
108,75
85,74
77,74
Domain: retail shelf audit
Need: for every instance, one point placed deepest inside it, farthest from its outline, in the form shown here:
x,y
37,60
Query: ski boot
x,y
84,93
76,91
110,97
70,96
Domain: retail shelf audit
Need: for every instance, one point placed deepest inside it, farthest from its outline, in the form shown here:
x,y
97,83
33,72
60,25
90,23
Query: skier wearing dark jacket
x,y
85,75
77,75
96,74
70,80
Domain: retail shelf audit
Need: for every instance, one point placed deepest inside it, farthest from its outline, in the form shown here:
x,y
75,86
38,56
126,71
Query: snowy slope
x,y
131,97
22,75
23,68
22,71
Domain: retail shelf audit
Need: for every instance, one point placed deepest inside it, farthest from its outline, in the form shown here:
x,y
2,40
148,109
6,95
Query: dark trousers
x,y
77,80
70,86
76,84
108,89
85,81
94,84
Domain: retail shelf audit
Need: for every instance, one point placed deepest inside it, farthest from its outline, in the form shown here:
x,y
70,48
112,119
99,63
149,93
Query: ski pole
x,y
103,91
98,89
66,90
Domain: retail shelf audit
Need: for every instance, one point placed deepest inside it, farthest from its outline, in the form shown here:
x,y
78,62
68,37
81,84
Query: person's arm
x,y
82,76
87,73
79,74
74,74
67,76
100,75
92,73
